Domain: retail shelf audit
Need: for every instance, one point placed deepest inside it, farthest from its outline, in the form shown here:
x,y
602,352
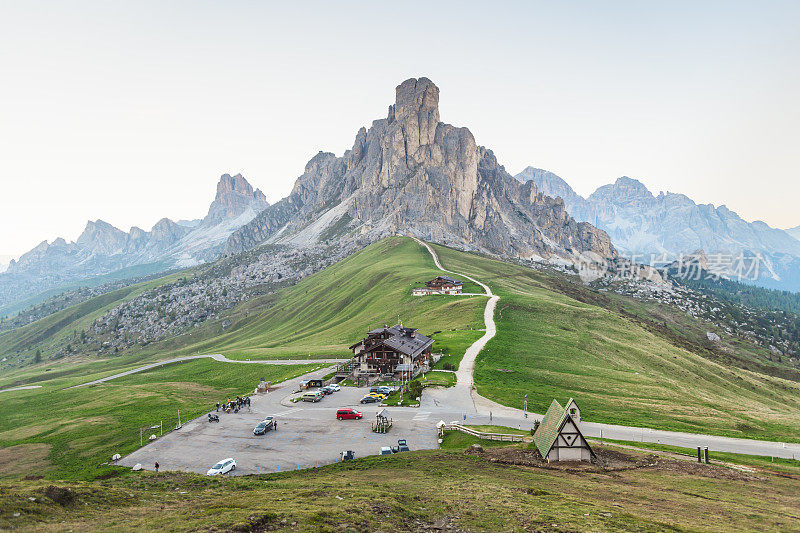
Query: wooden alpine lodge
x,y
440,285
397,351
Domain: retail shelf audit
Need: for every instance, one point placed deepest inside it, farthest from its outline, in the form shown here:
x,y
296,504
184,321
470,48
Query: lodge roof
x,y
448,279
401,339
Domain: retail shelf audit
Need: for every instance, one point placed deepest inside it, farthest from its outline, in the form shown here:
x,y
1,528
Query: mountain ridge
x,y
103,248
410,173
641,224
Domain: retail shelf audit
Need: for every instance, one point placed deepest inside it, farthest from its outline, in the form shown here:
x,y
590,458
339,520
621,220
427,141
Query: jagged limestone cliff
x,y
412,174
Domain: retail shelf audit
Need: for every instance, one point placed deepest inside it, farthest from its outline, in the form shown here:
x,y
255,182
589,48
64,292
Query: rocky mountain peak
x,y
416,108
237,184
412,174
547,182
101,237
235,196
624,191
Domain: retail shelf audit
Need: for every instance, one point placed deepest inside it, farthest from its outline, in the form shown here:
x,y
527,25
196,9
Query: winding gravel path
x,y
466,369
26,387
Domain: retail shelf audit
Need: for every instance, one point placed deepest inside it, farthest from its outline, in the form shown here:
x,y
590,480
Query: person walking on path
x,y
156,466
218,407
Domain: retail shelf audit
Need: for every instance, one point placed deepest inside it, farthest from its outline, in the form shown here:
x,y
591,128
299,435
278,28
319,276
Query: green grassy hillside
x,y
321,315
330,310
53,332
136,271
583,344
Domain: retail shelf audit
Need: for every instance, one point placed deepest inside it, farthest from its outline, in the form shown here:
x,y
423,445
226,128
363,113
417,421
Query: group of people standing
x,y
234,405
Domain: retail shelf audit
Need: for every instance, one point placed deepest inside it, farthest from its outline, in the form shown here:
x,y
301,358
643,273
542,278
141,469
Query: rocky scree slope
x,y
409,173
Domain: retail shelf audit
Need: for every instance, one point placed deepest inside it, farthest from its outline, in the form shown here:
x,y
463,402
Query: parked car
x,y
327,389
370,399
222,467
402,446
377,395
313,396
348,455
348,414
265,425
382,389
385,450
335,387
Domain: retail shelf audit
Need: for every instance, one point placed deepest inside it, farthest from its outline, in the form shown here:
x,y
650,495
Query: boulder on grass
x,y
60,495
137,467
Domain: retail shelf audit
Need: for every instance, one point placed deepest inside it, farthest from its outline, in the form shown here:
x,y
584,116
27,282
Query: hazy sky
x,y
130,111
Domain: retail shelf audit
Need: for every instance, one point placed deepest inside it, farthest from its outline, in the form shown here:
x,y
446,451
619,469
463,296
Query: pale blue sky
x,y
130,111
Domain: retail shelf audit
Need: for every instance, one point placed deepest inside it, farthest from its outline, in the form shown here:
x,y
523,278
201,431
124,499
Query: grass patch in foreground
x,y
409,492
434,378
437,378
772,463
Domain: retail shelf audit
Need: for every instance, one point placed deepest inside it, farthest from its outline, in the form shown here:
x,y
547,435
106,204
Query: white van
x,y
313,396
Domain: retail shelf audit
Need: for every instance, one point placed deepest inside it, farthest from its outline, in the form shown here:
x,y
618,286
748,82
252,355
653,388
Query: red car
x,y
349,414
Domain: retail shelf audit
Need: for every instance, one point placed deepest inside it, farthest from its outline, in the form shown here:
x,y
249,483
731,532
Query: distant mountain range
x,y
103,249
4,262
794,232
642,225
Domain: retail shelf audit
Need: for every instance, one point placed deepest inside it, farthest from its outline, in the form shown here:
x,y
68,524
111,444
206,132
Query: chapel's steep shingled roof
x,y
547,433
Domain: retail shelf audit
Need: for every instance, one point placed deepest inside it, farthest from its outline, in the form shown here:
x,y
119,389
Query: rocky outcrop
x,y
102,238
410,173
234,197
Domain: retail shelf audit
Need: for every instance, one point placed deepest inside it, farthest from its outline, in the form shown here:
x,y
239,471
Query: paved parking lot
x,y
308,434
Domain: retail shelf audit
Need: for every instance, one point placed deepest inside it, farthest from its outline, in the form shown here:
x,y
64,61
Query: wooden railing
x,y
504,437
